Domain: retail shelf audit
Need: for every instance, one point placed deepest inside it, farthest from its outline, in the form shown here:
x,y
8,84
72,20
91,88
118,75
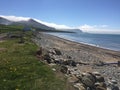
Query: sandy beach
x,y
94,57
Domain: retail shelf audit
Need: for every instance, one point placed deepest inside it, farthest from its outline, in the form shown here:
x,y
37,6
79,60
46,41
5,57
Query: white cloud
x,y
54,25
102,29
103,26
14,18
86,27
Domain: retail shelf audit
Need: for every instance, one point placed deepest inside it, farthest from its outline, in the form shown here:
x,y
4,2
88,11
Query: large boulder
x,y
88,79
99,77
48,58
57,51
64,69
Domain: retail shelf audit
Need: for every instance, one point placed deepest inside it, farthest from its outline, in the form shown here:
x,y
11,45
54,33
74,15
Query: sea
x,y
107,41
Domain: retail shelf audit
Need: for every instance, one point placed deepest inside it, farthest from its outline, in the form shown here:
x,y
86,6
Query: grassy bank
x,y
21,70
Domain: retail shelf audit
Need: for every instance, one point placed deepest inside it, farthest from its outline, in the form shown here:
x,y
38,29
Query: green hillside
x,y
20,69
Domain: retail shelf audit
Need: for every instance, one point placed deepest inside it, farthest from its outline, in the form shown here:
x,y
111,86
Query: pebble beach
x,y
90,58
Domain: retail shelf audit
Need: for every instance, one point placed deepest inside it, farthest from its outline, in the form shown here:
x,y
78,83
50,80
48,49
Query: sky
x,y
102,16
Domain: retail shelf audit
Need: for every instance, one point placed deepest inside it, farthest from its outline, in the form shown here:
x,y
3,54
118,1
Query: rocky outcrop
x,y
80,80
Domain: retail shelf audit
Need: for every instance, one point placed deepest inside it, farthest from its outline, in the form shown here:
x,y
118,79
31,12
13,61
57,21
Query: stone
x,y
73,79
69,57
118,63
88,79
39,52
57,51
47,58
58,61
74,71
96,73
70,63
52,51
54,69
64,69
79,86
100,86
100,63
100,79
113,85
113,81
52,64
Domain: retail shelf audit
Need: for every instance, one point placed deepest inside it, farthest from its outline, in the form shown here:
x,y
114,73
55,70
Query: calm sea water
x,y
107,41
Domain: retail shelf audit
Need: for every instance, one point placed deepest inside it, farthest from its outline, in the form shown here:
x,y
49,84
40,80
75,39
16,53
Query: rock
x,y
39,52
113,81
79,86
99,77
100,63
74,71
69,57
70,63
73,79
115,88
54,69
58,61
47,58
100,86
52,64
113,85
96,73
64,69
57,51
12,35
88,79
52,51
118,63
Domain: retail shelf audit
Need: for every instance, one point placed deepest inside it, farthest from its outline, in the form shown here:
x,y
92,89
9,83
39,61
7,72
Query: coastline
x,y
90,55
68,37
51,41
94,45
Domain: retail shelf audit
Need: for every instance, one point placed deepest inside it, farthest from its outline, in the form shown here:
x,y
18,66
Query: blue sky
x,y
89,15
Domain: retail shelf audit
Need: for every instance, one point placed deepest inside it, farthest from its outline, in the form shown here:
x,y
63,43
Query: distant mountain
x,y
74,30
29,22
5,21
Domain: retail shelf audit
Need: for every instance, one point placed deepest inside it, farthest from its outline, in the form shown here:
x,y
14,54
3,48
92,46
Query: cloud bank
x,y
54,25
15,19
101,29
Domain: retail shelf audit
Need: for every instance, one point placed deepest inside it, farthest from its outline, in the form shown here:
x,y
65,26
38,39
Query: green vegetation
x,y
21,70
10,28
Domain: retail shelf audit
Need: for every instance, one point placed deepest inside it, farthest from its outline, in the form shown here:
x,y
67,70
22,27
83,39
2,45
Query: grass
x,y
21,70
9,28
